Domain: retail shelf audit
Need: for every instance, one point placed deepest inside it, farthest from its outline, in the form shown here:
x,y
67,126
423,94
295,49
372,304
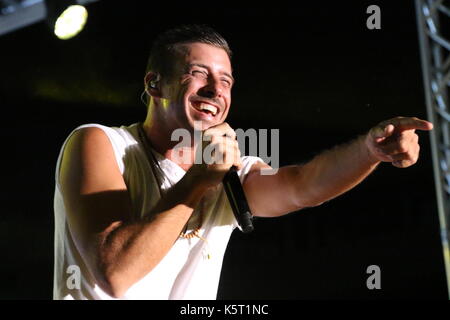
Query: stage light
x,y
70,14
66,18
70,22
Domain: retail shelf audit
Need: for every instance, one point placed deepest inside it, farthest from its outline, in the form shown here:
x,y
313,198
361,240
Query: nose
x,y
213,89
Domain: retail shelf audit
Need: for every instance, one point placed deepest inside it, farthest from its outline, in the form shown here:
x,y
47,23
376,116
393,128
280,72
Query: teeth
x,y
205,106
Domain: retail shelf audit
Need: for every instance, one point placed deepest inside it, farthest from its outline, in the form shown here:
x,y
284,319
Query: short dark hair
x,y
166,46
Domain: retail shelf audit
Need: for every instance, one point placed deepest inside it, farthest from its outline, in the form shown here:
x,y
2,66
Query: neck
x,y
159,136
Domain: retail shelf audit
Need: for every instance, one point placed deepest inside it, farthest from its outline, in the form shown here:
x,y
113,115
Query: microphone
x,y
238,202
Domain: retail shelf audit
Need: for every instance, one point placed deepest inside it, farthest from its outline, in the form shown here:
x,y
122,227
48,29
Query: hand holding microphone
x,y
221,140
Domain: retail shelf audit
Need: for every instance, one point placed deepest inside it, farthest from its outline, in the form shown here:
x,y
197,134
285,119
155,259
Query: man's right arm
x,y
117,250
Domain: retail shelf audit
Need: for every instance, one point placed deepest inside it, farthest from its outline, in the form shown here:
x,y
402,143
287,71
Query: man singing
x,y
137,221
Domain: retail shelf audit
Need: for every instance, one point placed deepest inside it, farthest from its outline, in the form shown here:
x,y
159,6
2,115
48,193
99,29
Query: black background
x,y
314,71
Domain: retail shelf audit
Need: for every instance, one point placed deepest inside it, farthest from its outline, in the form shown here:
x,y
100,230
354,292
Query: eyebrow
x,y
206,67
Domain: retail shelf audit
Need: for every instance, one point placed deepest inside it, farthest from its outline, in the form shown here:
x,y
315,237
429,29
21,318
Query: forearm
x,y
131,250
333,172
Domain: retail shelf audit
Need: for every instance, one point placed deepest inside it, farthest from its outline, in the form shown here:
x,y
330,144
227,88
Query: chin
x,y
204,124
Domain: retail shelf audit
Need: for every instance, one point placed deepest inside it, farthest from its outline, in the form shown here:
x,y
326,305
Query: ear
x,y
152,84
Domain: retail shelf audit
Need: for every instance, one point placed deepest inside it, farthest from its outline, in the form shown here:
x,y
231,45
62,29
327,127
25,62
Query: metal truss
x,y
433,23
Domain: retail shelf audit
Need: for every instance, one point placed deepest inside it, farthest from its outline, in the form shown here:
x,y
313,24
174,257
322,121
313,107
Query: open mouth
x,y
205,107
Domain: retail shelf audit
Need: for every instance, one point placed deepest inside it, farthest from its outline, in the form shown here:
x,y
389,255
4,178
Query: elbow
x,y
315,204
312,202
117,292
307,204
113,283
114,287
304,200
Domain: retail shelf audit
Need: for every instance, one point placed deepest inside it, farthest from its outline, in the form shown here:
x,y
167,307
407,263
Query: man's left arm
x,y
334,171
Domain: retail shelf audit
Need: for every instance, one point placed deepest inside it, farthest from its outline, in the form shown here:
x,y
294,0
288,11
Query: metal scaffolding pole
x,y
435,56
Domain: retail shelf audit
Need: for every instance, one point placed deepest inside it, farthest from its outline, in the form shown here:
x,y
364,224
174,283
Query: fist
x,y
218,152
395,141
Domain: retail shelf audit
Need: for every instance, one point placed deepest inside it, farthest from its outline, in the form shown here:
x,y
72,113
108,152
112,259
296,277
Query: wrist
x,y
366,152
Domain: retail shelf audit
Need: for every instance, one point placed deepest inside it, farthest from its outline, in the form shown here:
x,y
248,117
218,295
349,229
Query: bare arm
x,y
334,171
117,250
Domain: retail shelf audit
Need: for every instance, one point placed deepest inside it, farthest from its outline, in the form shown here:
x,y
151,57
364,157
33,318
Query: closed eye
x,y
199,73
226,81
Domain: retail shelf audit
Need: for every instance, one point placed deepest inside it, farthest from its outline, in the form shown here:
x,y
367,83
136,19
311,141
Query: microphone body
x,y
238,202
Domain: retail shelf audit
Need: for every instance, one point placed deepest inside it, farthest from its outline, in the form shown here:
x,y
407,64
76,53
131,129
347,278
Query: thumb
x,y
381,133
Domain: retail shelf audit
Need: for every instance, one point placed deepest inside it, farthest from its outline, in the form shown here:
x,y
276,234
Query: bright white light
x,y
71,22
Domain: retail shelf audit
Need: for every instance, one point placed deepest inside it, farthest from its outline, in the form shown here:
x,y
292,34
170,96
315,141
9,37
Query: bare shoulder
x,y
86,140
88,163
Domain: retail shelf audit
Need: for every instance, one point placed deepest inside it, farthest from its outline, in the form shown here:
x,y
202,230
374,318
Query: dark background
x,y
313,71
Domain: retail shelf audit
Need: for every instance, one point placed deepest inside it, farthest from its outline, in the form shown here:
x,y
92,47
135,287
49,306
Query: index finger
x,y
414,123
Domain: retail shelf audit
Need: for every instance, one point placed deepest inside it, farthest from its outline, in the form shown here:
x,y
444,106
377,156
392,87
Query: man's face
x,y
200,89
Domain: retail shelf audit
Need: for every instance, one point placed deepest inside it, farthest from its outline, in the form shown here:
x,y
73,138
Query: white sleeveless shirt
x,y
185,272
